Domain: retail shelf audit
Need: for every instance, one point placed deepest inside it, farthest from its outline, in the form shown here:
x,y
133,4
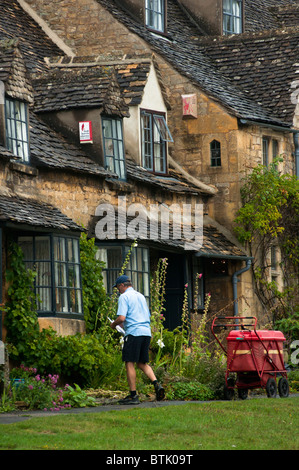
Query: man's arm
x,y
119,321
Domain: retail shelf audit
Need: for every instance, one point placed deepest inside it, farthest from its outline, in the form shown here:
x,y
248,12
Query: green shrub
x,y
189,391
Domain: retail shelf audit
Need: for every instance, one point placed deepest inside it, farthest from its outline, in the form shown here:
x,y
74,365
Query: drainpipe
x,y
235,281
296,142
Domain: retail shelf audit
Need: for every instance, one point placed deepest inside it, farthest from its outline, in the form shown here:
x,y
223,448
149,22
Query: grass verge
x,y
256,424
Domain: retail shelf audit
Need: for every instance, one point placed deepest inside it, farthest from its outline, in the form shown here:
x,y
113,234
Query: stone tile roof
x,y
34,43
79,86
15,209
270,14
50,150
13,71
264,65
173,182
214,242
183,50
132,78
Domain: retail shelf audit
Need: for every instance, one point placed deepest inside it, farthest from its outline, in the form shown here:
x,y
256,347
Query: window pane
x,y
26,244
17,128
114,147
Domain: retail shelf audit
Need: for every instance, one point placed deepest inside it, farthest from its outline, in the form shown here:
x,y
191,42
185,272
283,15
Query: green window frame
x,y
56,261
114,146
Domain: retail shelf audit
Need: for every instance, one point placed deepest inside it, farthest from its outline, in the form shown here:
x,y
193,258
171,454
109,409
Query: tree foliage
x,y
269,216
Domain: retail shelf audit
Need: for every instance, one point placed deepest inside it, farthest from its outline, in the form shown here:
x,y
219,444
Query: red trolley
x,y
254,357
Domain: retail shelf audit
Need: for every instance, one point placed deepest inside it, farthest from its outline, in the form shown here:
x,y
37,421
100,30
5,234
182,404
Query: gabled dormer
x,y
152,13
217,17
16,94
146,131
85,104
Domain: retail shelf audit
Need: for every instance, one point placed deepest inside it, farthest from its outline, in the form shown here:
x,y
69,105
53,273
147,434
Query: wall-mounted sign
x,y
189,105
85,132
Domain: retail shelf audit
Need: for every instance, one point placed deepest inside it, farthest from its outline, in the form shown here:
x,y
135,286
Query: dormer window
x,y
113,146
16,120
232,16
154,137
155,15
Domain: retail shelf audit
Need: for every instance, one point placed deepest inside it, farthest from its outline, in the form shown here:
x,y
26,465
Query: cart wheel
x,y
271,388
283,387
243,393
229,392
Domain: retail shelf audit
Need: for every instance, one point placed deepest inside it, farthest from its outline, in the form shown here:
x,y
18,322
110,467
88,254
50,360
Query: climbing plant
x,y
269,216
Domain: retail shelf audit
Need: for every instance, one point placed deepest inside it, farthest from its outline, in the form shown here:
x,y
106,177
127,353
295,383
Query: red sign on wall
x,y
189,105
85,132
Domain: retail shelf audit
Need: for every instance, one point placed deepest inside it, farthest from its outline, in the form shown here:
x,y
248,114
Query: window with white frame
x,y
16,123
154,137
155,14
232,16
56,261
114,146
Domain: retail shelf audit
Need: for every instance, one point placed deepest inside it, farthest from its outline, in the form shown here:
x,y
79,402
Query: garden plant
x,y
55,371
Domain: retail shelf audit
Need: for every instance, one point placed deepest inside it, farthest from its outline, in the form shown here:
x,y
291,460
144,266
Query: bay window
x,y
56,261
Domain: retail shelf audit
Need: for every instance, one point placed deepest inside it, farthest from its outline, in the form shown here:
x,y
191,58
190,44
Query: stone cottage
x,y
130,110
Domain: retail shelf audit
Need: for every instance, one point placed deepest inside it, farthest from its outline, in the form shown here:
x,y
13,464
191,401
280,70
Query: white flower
x,y
160,343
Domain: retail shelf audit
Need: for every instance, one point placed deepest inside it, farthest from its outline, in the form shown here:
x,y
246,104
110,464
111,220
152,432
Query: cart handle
x,y
231,325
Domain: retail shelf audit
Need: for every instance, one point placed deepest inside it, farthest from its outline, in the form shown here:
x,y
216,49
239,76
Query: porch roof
x,y
30,212
215,243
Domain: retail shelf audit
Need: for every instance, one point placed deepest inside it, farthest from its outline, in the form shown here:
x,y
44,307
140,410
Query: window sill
x,y
23,168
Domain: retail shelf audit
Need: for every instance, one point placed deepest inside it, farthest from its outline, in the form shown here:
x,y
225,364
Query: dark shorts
x,y
136,348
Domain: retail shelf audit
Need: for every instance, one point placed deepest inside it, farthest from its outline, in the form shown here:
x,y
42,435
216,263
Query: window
x,y
270,147
155,14
17,128
232,16
265,151
56,261
215,152
113,146
154,137
137,268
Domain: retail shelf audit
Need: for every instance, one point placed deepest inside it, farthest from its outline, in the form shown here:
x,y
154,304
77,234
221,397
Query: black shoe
x,y
160,393
129,400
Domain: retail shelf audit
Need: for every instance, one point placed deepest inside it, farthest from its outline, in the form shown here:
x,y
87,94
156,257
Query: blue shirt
x,y
133,306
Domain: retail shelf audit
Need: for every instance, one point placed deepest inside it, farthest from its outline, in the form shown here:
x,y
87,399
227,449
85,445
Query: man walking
x,y
134,316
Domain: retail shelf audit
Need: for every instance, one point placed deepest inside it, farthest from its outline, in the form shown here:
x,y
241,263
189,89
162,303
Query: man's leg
x,y
131,375
148,371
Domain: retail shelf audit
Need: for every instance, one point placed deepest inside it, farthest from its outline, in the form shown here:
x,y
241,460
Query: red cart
x,y
254,357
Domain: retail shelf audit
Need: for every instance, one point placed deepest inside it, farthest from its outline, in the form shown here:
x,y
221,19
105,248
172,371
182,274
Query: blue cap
x,y
121,279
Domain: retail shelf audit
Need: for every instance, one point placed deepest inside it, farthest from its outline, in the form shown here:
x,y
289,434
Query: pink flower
x,y
200,276
30,387
37,378
186,285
